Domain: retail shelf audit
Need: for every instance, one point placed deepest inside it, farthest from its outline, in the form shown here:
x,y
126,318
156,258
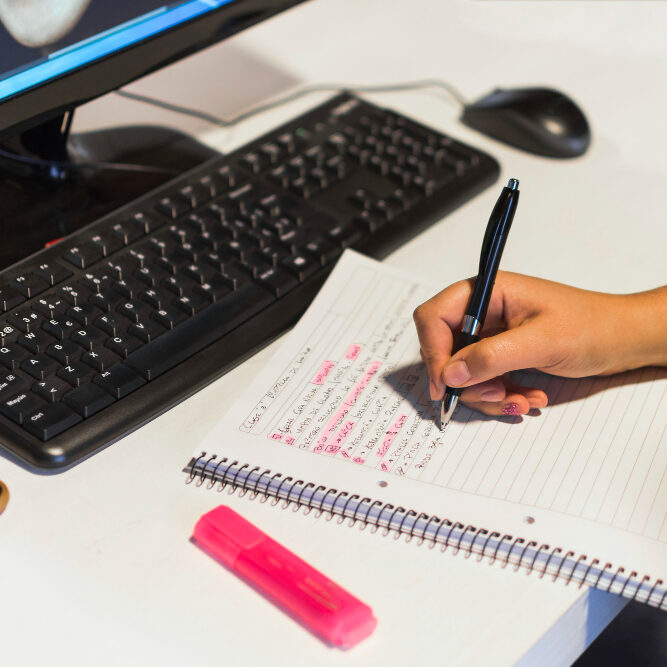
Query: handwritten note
x,y
357,391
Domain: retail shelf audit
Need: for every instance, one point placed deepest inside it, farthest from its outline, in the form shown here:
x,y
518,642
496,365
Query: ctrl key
x,y
51,420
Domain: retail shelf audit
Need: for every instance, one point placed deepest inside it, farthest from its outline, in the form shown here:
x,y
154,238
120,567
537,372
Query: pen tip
x,y
513,184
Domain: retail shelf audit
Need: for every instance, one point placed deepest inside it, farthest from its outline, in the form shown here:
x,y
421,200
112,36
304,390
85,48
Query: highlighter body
x,y
306,594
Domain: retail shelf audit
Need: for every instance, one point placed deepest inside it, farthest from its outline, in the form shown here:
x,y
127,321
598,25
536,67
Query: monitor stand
x,y
40,204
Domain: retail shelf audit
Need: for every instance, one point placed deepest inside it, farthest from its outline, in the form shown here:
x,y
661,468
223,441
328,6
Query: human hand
x,y
535,323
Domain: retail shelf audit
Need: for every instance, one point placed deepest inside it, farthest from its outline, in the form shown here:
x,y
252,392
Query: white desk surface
x,y
95,564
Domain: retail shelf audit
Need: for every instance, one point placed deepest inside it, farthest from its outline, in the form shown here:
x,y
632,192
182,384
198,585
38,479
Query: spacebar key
x,y
193,335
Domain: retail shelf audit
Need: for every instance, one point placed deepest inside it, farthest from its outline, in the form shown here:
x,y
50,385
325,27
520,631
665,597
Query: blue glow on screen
x,y
105,43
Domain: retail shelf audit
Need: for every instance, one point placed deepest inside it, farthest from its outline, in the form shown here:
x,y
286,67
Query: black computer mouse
x,y
538,120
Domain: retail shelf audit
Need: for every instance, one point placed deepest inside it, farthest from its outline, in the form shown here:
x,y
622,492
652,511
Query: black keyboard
x,y
132,314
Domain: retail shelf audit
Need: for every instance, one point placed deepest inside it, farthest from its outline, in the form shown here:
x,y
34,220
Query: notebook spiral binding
x,y
545,560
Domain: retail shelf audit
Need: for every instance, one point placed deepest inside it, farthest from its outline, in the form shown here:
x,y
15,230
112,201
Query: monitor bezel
x,y
67,91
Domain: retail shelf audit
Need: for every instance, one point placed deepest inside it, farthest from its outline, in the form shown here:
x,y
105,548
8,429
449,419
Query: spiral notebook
x,y
340,421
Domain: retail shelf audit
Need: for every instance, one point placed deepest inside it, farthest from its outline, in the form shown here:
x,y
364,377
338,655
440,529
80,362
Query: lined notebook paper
x,y
580,486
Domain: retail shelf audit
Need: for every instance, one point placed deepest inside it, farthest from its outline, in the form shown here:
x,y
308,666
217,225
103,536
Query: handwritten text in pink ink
x,y
353,351
349,401
321,375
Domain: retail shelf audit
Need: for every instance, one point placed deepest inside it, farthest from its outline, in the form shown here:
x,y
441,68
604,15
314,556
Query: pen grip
x,y
464,339
461,340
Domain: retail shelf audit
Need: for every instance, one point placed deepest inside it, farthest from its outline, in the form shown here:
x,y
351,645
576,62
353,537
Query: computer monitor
x,y
56,56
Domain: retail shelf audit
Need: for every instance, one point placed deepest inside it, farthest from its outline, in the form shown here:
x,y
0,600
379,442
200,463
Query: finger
x,y
511,405
490,391
537,398
511,350
435,337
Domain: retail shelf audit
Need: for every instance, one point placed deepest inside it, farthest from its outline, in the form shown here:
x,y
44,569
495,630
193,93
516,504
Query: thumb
x,y
491,357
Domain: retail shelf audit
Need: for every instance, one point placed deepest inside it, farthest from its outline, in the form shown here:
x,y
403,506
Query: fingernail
x,y
494,394
511,409
457,373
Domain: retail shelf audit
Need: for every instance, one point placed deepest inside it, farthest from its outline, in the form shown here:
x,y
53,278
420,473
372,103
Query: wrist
x,y
642,329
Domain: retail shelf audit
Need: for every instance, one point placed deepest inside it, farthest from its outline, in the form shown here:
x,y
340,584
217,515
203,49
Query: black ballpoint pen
x,y
492,249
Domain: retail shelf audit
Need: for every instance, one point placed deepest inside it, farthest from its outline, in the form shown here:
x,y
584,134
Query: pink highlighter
x,y
318,603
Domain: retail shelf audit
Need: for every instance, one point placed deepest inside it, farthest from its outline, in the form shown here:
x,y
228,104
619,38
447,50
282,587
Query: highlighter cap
x,y
226,535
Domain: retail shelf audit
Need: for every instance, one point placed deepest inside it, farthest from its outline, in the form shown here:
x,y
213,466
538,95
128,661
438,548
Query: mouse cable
x,y
301,92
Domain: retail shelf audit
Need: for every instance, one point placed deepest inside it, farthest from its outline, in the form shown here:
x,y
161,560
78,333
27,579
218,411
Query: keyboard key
x,y
371,221
110,325
125,233
387,208
176,285
200,273
146,330
88,399
85,314
272,152
52,272
167,317
39,366
191,336
88,337
51,420
13,382
154,298
50,306
134,310
277,281
8,333
196,194
150,276
344,235
9,298
323,250
98,281
18,407
119,381
160,246
65,352
76,373
214,290
106,244
173,207
75,295
83,256
190,304
26,320
253,162
300,266
106,300
60,329
129,288
11,356
51,389
123,344
35,341
100,359
145,222
242,196
29,285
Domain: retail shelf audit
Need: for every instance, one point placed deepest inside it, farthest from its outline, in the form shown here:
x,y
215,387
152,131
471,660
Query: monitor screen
x,y
41,39
57,54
